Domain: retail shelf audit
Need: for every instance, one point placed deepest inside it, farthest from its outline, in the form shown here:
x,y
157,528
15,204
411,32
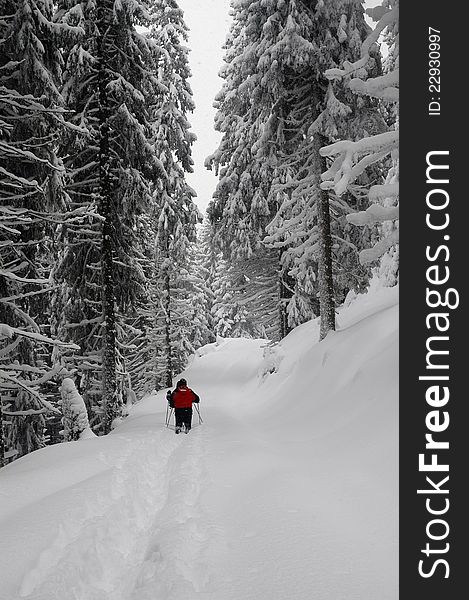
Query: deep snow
x,y
288,490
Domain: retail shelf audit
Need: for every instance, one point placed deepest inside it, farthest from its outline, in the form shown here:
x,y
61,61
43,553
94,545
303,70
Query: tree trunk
x,y
326,289
2,438
284,296
111,404
169,353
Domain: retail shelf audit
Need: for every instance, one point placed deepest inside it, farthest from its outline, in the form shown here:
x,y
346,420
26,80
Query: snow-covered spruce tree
x,y
203,269
75,416
169,225
183,321
225,304
111,85
234,306
274,91
199,284
311,37
137,338
177,213
240,210
31,194
175,234
224,311
353,157
230,318
235,291
160,328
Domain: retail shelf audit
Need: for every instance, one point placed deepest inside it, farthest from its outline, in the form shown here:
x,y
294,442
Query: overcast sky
x,y
208,21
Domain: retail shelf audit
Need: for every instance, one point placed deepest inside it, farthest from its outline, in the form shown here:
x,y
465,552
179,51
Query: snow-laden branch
x,y
23,368
374,214
25,413
379,193
15,153
28,294
24,317
84,322
21,181
11,382
9,348
348,166
372,254
10,275
9,332
387,19
385,87
366,145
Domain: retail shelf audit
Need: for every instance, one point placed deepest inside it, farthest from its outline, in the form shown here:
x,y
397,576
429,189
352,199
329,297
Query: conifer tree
x,y
240,209
200,294
204,265
32,199
229,317
177,214
353,157
161,327
175,234
274,111
318,112
111,83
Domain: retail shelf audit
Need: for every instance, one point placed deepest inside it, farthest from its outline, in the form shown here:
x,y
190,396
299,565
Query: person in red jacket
x,y
181,400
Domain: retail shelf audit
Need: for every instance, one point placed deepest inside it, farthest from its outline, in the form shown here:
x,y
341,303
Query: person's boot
x,y
177,430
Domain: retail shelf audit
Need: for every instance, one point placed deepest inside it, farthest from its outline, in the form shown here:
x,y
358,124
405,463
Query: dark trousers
x,y
183,417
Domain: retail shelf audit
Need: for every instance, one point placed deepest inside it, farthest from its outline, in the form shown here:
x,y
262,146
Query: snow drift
x,y
288,490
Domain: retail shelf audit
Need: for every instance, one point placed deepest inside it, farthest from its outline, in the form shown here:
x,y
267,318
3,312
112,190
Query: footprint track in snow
x,y
175,565
102,544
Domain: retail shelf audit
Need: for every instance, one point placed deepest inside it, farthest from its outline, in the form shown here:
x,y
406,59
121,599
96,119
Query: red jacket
x,y
183,397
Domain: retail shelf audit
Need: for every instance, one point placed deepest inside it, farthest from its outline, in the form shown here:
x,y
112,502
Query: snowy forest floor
x,y
288,489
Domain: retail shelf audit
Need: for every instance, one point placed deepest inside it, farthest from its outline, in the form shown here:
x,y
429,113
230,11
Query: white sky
x,y
208,22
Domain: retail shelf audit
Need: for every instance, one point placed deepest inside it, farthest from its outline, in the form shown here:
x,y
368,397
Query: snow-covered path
x,y
231,528
288,489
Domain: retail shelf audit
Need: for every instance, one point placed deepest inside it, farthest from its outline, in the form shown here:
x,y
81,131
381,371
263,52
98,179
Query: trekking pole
x,y
198,412
168,418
